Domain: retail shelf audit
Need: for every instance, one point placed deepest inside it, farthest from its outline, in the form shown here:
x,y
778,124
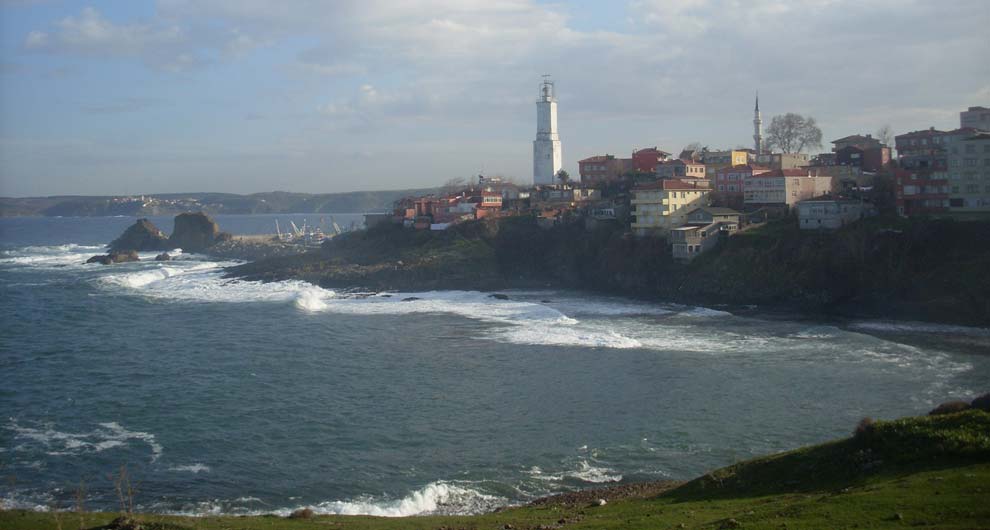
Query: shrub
x,y
982,403
864,427
949,407
302,513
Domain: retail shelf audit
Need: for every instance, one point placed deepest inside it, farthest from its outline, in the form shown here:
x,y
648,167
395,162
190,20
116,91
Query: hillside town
x,y
701,195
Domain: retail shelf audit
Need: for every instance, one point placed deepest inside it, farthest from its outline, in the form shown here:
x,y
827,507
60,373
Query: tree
x,y
563,177
693,146
792,133
454,185
886,135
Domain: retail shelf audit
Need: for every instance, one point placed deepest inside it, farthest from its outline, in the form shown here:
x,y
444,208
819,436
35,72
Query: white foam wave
x,y
194,468
583,471
49,256
58,443
920,327
313,299
436,498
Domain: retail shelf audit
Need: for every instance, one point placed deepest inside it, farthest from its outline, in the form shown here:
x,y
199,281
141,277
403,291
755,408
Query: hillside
x,y
929,471
930,270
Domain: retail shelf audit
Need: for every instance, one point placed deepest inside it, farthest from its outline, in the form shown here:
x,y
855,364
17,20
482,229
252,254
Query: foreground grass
x,y
931,471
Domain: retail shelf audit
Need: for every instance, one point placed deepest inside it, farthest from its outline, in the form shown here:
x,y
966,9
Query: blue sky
x,y
132,97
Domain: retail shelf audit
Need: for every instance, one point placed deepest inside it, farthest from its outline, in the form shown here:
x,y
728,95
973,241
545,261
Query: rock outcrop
x,y
194,232
115,256
142,235
164,256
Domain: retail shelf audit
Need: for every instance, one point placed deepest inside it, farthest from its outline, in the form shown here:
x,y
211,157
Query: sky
x,y
242,96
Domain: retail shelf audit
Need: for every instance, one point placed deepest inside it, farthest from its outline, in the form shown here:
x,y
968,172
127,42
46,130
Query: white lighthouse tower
x,y
547,160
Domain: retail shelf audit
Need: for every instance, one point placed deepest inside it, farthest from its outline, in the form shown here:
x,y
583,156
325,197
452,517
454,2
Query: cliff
x,y
909,269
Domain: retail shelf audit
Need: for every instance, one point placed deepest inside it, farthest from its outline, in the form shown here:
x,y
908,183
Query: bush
x,y
302,513
982,403
949,407
864,427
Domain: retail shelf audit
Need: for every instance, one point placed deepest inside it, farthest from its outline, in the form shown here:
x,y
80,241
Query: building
x,y
920,192
679,169
968,175
707,215
780,160
728,184
716,160
547,158
647,159
603,168
757,128
660,206
785,188
856,140
921,150
865,152
689,242
829,214
976,118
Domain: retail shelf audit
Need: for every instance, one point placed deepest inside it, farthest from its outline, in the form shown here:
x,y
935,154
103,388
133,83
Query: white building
x,y
975,117
547,159
829,214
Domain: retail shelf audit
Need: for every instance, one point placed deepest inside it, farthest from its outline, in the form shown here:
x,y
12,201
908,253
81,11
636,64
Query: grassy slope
x,y
920,472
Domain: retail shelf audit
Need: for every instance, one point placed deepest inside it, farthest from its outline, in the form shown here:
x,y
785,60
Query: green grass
x,y
924,472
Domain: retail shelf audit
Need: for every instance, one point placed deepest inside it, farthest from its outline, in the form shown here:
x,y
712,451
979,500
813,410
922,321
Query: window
x,y
970,148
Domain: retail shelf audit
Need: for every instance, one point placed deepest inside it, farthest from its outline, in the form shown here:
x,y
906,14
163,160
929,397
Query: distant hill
x,y
214,203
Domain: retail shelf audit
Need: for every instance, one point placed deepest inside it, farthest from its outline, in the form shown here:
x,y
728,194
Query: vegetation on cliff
x,y
915,269
929,471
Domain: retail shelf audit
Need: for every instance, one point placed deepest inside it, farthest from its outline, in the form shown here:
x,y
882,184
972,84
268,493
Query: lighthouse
x,y
547,160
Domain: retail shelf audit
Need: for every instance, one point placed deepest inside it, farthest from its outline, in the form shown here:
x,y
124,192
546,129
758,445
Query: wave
x,y
50,256
435,498
583,471
59,443
919,327
192,468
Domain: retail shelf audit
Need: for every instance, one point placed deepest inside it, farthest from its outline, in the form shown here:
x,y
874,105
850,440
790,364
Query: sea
x,y
219,396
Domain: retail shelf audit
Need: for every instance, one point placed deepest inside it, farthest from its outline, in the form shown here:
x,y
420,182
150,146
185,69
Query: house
x,y
856,140
647,159
715,160
829,214
707,215
679,169
660,206
783,188
688,242
780,160
603,168
728,185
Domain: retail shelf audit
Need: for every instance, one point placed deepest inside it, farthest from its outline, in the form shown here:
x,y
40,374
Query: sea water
x,y
226,396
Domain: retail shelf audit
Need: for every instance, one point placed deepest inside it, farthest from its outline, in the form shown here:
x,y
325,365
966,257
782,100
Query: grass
x,y
930,471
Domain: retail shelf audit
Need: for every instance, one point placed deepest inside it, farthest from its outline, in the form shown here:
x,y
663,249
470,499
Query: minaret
x,y
757,127
546,147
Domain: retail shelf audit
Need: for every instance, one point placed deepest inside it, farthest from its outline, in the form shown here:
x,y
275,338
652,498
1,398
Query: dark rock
x,y
949,407
302,513
410,299
546,301
142,235
163,257
224,237
982,403
730,523
499,296
194,232
115,256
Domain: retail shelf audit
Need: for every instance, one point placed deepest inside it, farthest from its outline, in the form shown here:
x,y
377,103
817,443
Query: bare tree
x,y
693,146
886,135
793,133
